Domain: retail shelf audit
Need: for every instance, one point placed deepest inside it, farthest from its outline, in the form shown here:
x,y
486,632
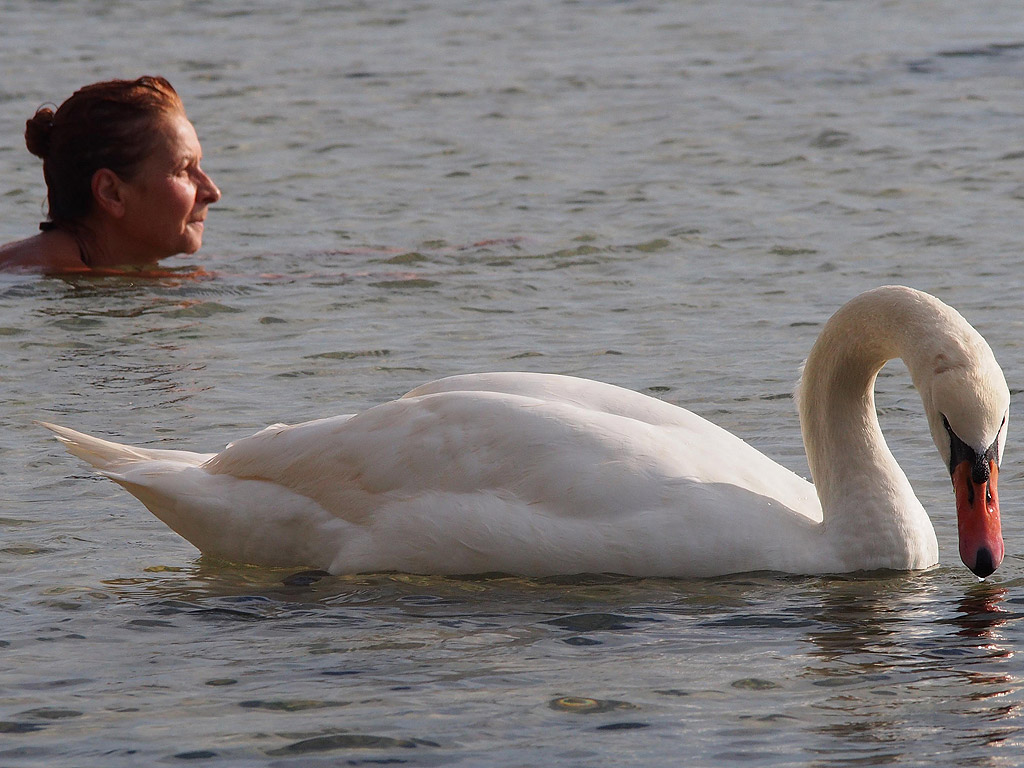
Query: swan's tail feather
x,y
106,455
102,454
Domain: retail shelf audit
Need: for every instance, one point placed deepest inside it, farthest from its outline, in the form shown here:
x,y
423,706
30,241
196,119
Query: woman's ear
x,y
108,192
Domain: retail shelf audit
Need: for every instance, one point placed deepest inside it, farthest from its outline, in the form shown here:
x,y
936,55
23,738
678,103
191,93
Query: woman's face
x,y
167,198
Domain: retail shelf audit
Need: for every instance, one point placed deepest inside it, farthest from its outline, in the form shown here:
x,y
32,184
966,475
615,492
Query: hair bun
x,y
37,132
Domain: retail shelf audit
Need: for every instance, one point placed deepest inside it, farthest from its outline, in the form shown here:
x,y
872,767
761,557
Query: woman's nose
x,y
209,193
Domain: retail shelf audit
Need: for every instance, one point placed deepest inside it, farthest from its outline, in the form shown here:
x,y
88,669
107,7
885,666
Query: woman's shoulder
x,y
47,252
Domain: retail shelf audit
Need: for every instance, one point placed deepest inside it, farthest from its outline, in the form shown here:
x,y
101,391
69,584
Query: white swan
x,y
542,474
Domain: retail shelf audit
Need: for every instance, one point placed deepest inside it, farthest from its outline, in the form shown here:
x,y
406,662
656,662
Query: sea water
x,y
669,196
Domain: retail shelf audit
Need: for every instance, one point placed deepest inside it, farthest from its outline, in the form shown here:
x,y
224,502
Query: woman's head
x,y
104,125
122,155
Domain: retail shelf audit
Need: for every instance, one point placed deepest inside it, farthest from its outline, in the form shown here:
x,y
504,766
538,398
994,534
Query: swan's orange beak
x,y
977,516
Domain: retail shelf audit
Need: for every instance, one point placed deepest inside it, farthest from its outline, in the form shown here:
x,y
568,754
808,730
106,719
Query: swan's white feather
x,y
517,472
545,474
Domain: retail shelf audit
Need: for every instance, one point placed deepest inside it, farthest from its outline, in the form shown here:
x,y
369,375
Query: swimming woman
x,y
124,183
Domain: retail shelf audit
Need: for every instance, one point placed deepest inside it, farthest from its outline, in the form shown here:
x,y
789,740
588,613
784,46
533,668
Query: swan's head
x,y
968,403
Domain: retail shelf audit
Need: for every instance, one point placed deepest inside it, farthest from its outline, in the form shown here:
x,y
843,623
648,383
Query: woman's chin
x,y
192,245
193,236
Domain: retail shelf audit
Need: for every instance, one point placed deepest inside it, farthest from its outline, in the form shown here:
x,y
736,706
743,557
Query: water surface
x,y
670,196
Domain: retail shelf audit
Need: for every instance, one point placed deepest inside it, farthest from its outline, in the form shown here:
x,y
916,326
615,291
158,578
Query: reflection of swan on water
x,y
542,474
981,613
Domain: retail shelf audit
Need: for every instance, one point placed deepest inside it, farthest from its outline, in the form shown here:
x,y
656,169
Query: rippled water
x,y
671,196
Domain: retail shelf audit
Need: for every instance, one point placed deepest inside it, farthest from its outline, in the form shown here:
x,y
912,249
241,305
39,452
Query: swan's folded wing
x,y
559,458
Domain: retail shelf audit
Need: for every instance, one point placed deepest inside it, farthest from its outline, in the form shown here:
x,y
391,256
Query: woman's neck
x,y
101,248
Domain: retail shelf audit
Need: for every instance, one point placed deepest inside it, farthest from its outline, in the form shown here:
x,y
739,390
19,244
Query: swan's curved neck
x,y
864,494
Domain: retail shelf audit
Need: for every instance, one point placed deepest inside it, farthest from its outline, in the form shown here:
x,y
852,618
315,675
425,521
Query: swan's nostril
x,y
984,563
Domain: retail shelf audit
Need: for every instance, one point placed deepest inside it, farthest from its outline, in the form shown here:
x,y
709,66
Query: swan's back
x,y
570,447
524,473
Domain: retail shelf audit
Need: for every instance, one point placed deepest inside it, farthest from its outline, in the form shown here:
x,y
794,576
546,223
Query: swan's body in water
x,y
541,474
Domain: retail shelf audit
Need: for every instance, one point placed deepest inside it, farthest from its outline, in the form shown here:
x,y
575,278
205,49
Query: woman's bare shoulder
x,y
48,252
